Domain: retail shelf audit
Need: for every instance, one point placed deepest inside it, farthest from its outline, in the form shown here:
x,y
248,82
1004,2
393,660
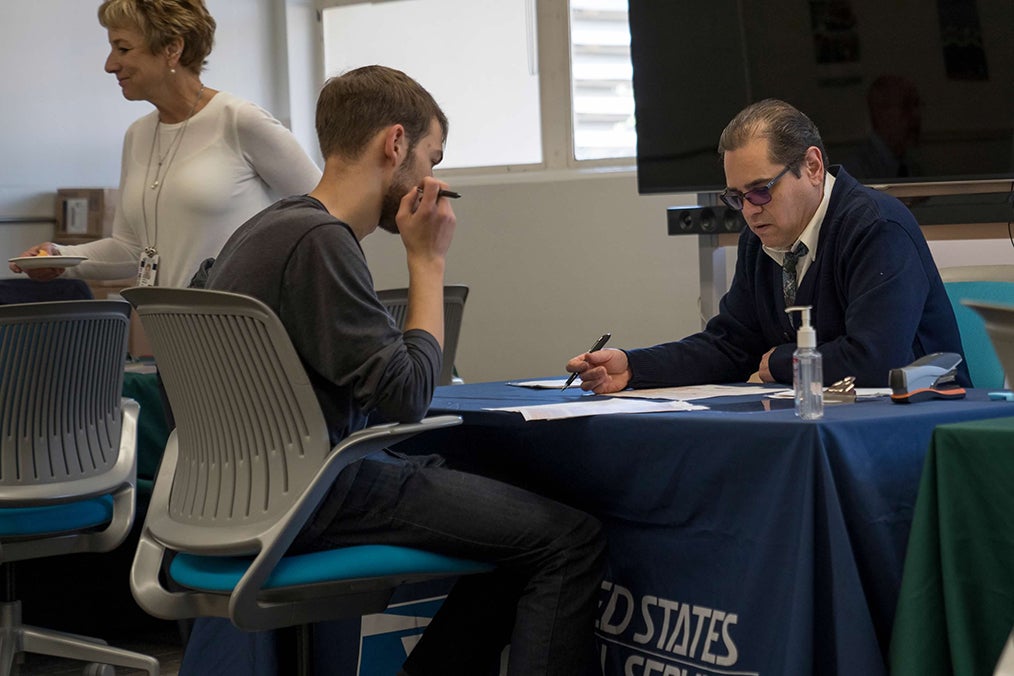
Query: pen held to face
x,y
444,193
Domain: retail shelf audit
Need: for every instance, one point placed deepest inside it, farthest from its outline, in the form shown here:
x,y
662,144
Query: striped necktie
x,y
789,272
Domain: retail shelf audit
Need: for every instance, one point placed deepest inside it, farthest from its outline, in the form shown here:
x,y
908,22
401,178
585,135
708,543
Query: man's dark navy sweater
x,y
878,304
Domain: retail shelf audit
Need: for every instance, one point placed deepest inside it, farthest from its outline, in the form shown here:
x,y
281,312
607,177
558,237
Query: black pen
x,y
444,193
599,344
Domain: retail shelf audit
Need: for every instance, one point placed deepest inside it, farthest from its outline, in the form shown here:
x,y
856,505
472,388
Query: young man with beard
x,y
381,134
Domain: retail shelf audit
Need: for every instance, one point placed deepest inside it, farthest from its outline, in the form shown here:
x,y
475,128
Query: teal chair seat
x,y
223,573
50,519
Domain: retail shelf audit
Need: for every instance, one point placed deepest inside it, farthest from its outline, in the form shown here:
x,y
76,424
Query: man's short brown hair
x,y
354,106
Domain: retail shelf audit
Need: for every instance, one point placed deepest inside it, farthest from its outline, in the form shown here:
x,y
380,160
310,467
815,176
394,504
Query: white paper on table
x,y
577,409
692,392
861,393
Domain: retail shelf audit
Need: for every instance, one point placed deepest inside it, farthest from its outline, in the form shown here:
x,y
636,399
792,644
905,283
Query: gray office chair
x,y
979,283
455,295
246,466
67,457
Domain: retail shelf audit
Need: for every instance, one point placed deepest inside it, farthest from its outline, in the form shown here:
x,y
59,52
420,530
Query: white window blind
x,y
601,79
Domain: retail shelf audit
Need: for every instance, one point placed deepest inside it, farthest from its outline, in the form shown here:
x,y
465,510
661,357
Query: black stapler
x,y
930,377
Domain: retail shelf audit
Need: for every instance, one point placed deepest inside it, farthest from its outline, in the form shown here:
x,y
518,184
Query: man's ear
x,y
396,144
813,164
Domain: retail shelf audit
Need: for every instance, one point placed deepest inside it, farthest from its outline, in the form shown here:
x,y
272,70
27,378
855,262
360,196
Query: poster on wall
x,y
837,48
835,35
961,35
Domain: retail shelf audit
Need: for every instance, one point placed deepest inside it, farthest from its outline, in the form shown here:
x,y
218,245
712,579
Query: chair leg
x,y
303,636
8,650
294,646
83,648
10,635
16,638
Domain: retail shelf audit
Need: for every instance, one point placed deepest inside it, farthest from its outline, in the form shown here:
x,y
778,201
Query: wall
x,y
63,117
554,264
552,260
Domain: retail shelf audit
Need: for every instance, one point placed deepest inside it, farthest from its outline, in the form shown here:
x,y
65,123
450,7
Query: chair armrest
x,y
279,538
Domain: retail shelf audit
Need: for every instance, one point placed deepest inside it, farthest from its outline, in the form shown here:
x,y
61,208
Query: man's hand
x,y
763,371
39,274
602,371
426,223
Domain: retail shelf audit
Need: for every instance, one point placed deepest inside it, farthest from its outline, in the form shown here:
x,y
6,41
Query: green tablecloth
x,y
152,429
956,606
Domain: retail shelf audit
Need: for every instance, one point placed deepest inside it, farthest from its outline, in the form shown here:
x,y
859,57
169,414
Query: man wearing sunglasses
x,y
816,237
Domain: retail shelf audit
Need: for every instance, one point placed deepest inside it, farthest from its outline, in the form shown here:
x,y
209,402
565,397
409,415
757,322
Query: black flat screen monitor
x,y
902,92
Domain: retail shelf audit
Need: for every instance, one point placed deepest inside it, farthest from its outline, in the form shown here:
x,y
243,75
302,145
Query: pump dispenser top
x,y
805,336
807,369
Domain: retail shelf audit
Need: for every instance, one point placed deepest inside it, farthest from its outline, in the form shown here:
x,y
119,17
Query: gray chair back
x,y
250,434
67,440
248,463
61,376
455,295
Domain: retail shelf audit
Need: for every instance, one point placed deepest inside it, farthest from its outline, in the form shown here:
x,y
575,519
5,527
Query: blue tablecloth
x,y
742,540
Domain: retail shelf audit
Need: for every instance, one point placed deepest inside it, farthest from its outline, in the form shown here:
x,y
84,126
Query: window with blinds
x,y
484,67
601,80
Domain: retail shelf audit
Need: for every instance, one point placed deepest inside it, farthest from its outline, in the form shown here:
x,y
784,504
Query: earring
x,y
172,70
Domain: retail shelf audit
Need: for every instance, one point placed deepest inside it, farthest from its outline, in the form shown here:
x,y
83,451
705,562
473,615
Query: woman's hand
x,y
40,274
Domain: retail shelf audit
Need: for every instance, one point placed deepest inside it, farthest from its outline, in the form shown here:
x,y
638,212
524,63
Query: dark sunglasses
x,y
757,197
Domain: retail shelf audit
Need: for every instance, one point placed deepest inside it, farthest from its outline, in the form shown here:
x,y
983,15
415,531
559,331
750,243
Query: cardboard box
x,y
85,212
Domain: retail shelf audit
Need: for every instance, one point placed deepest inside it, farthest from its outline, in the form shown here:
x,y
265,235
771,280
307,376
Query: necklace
x,y
149,257
161,156
156,140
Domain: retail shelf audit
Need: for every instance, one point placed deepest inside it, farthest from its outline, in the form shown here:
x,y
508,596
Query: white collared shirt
x,y
810,234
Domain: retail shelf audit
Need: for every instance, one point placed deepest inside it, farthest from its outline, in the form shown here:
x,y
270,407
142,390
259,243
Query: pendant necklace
x,y
148,265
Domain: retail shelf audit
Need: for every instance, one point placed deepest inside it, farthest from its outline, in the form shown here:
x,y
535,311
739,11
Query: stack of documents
x,y
666,399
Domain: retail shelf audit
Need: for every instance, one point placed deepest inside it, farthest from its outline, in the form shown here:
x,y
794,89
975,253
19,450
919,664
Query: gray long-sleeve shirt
x,y
310,269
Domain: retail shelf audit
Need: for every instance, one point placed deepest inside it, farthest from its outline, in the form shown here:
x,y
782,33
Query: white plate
x,y
35,262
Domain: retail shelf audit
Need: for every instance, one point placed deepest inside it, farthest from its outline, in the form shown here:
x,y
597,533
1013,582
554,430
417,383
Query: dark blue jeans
x,y
550,559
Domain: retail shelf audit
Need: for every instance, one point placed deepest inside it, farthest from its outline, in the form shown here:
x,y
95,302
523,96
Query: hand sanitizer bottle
x,y
807,369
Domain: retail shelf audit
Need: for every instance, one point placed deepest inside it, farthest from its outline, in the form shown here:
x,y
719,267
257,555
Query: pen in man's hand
x,y
599,344
444,193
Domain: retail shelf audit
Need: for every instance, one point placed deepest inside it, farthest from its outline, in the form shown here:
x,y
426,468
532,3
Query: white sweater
x,y
233,160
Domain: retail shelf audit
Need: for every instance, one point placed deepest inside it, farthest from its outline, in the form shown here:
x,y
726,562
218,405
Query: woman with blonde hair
x,y
196,167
